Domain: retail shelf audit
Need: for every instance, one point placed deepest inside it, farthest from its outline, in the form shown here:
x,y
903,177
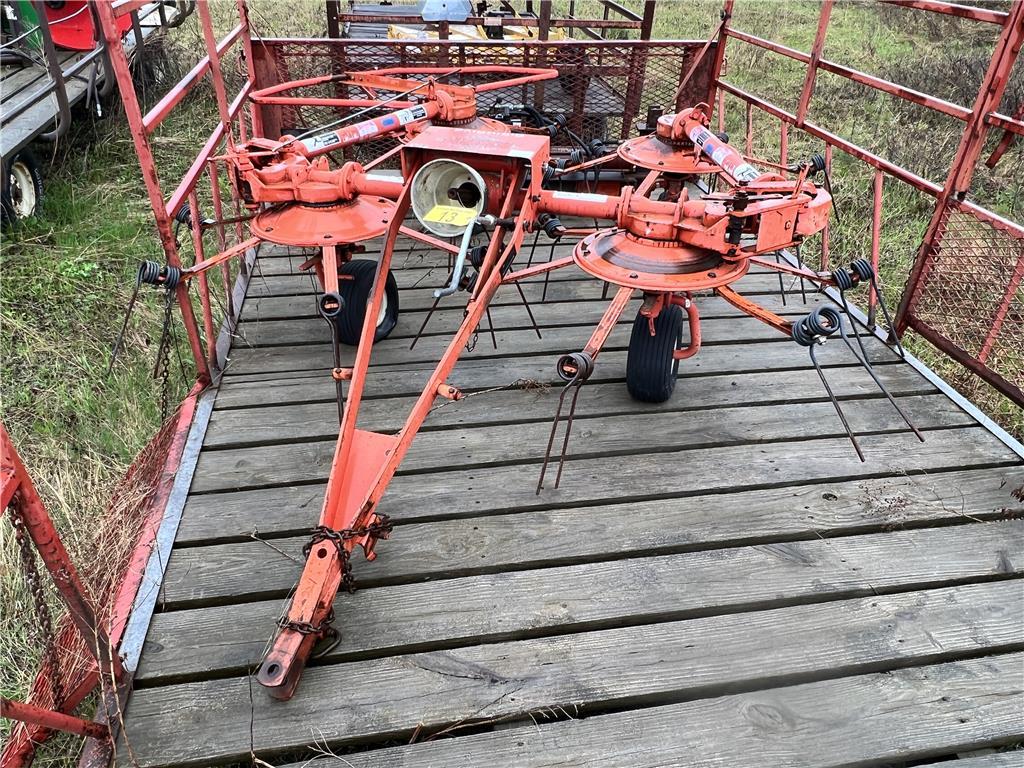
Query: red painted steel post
x,y
828,224
748,139
204,283
55,557
256,116
876,234
216,73
213,170
50,720
971,144
812,65
122,72
716,67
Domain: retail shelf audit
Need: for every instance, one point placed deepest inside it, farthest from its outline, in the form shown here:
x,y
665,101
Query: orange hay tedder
x,y
463,175
671,215
475,151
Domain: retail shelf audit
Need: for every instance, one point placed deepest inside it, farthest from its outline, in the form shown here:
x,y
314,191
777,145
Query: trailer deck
x,y
717,581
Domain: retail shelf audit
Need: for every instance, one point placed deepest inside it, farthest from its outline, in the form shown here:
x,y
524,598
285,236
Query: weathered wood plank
x,y
1011,759
312,337
289,307
733,334
873,719
560,600
252,569
667,662
312,328
420,283
593,436
476,373
304,421
472,492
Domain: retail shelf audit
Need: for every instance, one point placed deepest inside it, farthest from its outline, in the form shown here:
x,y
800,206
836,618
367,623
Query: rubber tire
x,y
7,211
356,293
651,367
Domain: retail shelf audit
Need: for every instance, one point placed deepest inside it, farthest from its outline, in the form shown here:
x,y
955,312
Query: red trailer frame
x,y
957,226
962,235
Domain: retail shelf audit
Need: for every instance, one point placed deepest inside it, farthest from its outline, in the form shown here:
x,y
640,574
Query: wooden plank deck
x,y
717,582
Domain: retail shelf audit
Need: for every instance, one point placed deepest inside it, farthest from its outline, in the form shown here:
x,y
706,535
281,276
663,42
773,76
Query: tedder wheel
x,y
355,292
650,366
22,187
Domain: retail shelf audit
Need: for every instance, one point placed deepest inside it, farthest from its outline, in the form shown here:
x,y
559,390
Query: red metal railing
x,y
233,124
970,265
83,644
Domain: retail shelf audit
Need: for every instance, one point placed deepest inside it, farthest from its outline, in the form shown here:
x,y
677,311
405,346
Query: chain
x,y
380,528
308,628
44,620
163,369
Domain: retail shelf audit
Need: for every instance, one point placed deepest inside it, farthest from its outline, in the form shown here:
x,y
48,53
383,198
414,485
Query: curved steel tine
x,y
782,284
866,364
568,431
887,316
547,275
551,437
490,327
533,247
529,310
835,403
423,325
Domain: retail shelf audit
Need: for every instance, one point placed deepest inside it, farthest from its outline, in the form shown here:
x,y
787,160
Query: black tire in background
x,y
650,366
21,187
355,292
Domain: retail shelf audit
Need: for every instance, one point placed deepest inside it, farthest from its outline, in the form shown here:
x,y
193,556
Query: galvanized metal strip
x,y
141,613
149,588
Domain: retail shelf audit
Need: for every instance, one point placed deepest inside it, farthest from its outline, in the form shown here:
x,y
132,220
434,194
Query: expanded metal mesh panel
x,y
970,290
602,89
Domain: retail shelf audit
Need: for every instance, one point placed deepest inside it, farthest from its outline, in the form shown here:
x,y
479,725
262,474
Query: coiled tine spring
x,y
574,368
808,332
863,270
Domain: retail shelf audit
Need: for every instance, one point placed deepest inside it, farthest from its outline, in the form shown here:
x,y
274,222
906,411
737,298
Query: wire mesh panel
x,y
602,88
969,294
67,670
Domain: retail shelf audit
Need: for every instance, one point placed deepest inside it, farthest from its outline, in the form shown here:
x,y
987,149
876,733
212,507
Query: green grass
x,y
66,277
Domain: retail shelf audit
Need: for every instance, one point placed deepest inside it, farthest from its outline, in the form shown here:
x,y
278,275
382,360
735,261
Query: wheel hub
x,y
22,190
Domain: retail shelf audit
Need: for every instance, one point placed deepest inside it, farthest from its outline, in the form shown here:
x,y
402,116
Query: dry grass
x,y
66,277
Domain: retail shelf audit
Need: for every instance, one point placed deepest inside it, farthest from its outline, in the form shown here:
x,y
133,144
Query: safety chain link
x,y
164,357
380,528
44,620
307,628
